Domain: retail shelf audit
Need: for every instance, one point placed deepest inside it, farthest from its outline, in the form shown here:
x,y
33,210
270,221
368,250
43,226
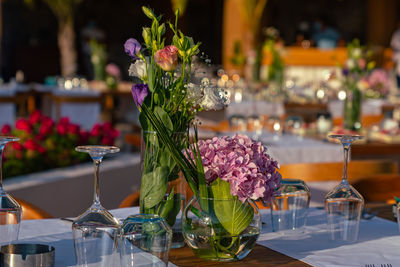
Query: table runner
x,y
378,243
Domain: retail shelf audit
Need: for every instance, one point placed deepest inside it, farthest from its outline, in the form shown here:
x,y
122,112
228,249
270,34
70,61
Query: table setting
x,y
208,197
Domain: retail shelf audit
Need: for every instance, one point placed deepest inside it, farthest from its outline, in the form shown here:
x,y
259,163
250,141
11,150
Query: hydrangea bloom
x,y
242,162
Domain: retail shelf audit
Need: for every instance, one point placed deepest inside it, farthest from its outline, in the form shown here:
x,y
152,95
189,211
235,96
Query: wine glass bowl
x,y
343,204
10,210
95,231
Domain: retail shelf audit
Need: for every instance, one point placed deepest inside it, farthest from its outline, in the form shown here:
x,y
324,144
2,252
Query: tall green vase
x,y
352,109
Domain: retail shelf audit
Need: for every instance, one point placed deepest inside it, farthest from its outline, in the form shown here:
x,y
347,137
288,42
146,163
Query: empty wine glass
x,y
96,230
10,210
343,204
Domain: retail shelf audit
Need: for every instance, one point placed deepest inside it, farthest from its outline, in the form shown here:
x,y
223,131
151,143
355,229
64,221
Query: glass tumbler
x,y
10,210
145,240
290,208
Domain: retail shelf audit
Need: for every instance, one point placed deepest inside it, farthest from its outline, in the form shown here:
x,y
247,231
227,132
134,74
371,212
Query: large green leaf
x,y
154,186
233,215
163,116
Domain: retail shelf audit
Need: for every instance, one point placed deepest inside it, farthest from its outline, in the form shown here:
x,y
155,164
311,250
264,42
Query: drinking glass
x,y
95,231
289,209
10,210
145,240
343,204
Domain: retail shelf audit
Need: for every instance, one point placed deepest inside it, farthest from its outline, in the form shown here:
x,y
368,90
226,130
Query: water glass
x,y
10,210
145,239
290,208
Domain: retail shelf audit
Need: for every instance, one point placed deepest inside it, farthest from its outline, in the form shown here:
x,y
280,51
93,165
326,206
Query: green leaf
x,y
149,13
233,215
163,116
161,29
171,208
154,186
146,126
146,34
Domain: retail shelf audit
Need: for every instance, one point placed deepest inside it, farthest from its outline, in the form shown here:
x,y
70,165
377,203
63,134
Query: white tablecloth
x,y
249,108
379,241
57,233
288,149
369,107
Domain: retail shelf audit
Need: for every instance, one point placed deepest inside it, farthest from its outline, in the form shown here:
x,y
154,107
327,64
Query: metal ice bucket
x,y
27,255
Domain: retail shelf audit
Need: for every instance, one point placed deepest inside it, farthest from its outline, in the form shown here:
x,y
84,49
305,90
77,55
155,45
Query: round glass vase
x,y
221,229
352,109
163,187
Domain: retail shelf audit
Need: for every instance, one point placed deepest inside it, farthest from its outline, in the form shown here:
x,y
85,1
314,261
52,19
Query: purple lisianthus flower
x,y
345,72
139,93
132,47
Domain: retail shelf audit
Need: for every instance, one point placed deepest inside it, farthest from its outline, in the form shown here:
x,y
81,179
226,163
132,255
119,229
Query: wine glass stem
x,y
96,196
346,148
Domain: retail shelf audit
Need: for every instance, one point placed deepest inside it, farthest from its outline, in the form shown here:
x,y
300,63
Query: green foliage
x,y
233,215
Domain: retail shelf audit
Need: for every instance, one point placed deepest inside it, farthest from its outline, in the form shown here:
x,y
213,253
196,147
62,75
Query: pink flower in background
x,y
113,70
167,58
379,81
242,162
5,129
361,63
96,130
23,125
64,120
17,146
31,145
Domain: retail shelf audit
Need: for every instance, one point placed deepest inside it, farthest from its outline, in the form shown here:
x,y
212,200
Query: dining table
x,y
378,243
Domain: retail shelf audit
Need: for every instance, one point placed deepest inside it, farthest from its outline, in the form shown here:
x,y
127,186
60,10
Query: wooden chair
x,y
357,169
31,212
379,188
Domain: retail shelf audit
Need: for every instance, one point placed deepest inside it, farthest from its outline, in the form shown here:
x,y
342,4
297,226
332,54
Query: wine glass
x,y
95,232
10,210
343,204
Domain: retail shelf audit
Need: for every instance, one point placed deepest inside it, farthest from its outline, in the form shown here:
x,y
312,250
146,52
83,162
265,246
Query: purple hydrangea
x,y
132,47
139,93
242,162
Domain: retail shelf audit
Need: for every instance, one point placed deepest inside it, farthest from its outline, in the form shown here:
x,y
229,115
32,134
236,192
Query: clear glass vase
x,y
352,109
221,229
163,187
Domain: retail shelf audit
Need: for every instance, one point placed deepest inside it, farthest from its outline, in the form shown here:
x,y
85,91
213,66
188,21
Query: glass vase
x,y
352,110
221,229
163,187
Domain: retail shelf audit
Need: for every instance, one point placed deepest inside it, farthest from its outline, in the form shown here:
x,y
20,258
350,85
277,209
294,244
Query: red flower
x,y
35,117
64,120
24,125
83,137
41,150
107,141
6,129
61,128
96,130
31,145
73,129
17,146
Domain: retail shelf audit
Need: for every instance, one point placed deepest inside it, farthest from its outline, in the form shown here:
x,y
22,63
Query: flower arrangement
x,y
45,144
225,175
354,72
113,75
164,89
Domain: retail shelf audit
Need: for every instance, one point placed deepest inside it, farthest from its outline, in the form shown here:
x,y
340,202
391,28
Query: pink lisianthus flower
x,y
242,162
113,70
167,58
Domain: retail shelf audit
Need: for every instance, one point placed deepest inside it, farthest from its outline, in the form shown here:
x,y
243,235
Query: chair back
x,y
379,188
334,170
31,212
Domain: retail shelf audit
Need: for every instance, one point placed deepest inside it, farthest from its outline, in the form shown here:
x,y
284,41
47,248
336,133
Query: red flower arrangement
x,y
45,144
